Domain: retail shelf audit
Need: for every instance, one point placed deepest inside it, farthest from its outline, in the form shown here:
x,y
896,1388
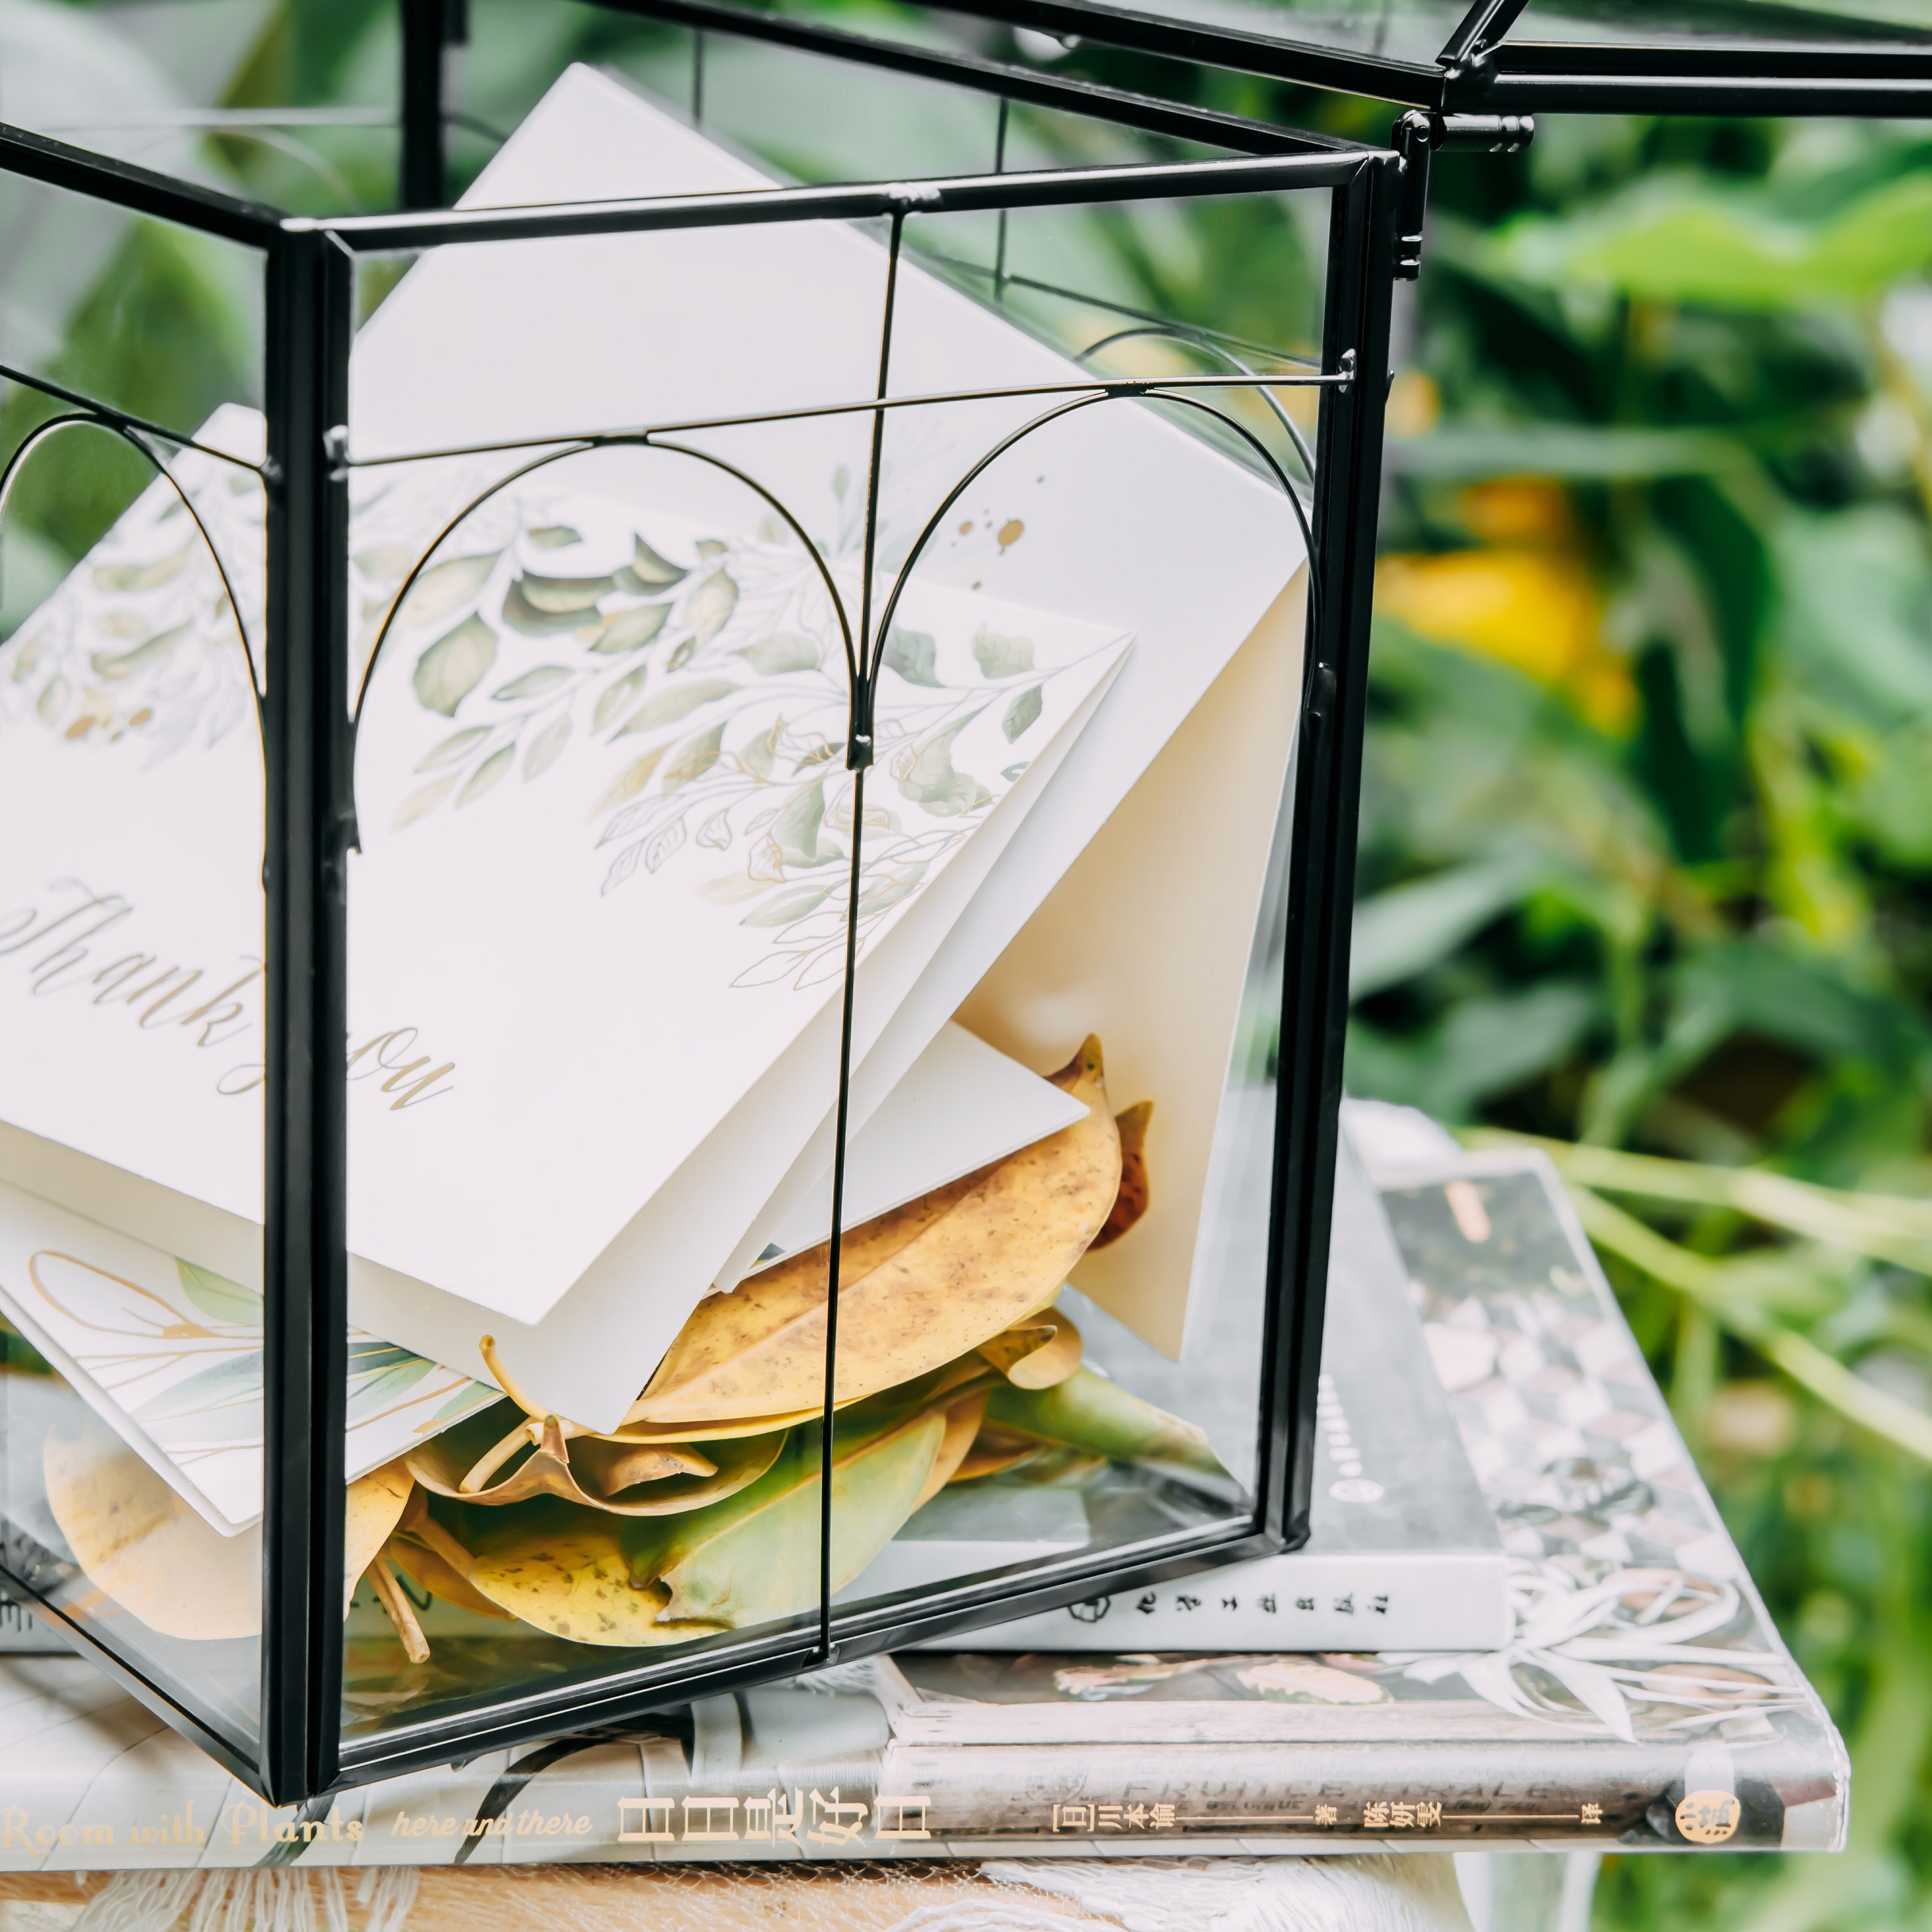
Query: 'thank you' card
x,y
594,1022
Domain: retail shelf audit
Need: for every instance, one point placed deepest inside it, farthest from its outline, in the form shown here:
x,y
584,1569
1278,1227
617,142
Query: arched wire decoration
x,y
1206,346
583,446
93,419
864,656
1150,391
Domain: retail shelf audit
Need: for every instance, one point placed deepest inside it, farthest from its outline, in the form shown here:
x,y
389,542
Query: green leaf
x,y
760,756
784,651
532,684
451,668
471,1396
421,804
555,536
454,749
1683,238
1087,1411
631,780
795,830
546,747
694,757
114,666
1471,451
912,654
708,609
1857,586
929,779
611,703
631,630
1002,657
559,595
217,1297
370,1393
495,766
651,570
1485,1046
1023,713
1408,928
886,891
444,585
235,1383
520,614
755,1556
783,907
676,701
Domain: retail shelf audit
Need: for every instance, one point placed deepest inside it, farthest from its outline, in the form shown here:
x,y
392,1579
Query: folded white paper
x,y
170,1355
962,1106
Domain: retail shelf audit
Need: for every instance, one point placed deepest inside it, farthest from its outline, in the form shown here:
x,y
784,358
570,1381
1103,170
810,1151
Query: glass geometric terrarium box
x,y
672,934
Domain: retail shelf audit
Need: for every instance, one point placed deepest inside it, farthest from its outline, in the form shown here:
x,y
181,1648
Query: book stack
x,y
1643,1702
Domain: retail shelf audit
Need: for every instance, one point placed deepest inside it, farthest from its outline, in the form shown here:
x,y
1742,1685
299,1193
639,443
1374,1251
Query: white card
x,y
961,1107
646,842
170,1355
529,1152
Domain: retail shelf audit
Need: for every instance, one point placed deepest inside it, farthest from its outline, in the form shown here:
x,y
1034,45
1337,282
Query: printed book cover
x,y
1644,1701
1403,1552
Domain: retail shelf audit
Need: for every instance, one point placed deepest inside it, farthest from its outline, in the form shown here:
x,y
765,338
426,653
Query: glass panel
x,y
131,953
1409,31
597,916
1870,23
290,117
1056,1357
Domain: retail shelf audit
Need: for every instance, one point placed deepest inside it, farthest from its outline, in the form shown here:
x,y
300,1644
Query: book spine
x,y
1267,1799
647,1801
1324,1602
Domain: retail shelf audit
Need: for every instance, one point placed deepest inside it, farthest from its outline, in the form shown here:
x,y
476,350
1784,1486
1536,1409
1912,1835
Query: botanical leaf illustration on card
x,y
690,686
141,641
182,1362
704,679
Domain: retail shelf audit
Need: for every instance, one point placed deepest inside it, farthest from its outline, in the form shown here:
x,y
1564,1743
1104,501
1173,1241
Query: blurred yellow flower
x,y
1518,509
1414,404
1538,609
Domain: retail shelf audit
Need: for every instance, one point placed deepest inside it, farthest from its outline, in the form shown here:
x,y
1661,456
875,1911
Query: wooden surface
x,y
617,1898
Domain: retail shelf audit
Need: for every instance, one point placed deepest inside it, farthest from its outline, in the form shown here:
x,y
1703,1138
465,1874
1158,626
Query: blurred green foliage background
x,y
1646,849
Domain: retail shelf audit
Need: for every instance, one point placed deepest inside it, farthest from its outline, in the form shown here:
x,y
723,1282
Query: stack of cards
x,y
598,909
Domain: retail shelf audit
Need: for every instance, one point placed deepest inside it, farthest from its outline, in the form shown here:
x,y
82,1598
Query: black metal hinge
x,y
1415,137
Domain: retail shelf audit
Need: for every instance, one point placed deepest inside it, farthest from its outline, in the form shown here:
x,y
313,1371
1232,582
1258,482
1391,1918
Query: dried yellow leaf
x,y
1036,1354
918,1287
141,1543
620,1478
1131,1203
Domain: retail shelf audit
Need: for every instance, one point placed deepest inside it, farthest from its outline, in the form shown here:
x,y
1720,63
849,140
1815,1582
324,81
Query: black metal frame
x,y
308,737
1481,68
